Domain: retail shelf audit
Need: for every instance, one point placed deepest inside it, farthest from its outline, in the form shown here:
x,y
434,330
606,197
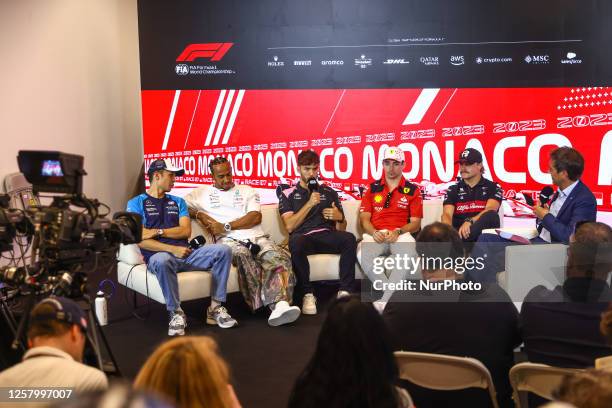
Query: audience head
x,y
221,172
58,322
353,364
439,244
118,395
308,164
565,166
590,251
605,325
587,389
187,371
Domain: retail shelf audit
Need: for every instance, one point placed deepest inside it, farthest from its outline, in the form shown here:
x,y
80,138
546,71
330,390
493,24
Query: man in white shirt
x,y
232,214
56,338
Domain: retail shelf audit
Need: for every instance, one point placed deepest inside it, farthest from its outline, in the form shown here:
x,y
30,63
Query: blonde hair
x,y
188,371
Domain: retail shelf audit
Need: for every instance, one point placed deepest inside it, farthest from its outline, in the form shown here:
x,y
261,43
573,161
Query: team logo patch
x,y
406,190
377,198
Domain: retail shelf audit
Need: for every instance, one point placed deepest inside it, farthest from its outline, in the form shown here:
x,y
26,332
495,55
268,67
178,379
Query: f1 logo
x,y
214,51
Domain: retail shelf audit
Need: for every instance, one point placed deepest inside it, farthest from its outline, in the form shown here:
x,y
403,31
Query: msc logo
x,y
182,69
214,51
537,59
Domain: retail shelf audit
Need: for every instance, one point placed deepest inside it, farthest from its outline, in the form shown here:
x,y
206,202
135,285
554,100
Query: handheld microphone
x,y
313,185
254,248
197,242
528,199
545,195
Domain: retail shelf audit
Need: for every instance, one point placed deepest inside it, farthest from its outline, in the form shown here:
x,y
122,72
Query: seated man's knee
x,y
349,239
489,238
218,251
297,244
161,259
239,250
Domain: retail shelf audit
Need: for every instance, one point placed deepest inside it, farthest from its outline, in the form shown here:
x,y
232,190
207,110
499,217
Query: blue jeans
x,y
165,266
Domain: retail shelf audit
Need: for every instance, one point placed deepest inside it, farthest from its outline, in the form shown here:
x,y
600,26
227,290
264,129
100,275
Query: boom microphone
x,y
545,195
313,185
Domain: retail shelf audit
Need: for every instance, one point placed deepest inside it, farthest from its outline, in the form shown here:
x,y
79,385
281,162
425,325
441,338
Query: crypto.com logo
x,y
214,51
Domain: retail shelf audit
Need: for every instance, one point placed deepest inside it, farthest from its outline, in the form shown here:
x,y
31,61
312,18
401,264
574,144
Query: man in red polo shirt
x,y
391,210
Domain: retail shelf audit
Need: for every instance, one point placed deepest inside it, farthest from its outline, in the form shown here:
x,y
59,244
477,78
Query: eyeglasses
x,y
388,200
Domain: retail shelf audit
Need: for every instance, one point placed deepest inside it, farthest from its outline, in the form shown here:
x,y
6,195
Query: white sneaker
x,y
283,314
177,324
309,304
220,317
342,293
379,305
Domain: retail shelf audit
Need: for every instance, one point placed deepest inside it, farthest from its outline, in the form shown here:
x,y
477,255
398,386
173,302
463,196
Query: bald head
x,y
590,252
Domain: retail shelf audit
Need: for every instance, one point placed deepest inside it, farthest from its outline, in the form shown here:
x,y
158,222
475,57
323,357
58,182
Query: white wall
x,y
70,81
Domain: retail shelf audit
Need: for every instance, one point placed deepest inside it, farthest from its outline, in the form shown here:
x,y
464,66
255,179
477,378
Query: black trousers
x,y
325,242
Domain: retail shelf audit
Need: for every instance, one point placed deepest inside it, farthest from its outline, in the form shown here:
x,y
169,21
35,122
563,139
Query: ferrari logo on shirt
x,y
378,198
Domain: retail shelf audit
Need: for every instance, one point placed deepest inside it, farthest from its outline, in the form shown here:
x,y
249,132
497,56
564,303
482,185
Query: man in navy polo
x,y
471,205
314,218
166,228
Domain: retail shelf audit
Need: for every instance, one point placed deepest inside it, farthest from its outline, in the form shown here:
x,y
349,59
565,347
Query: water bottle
x,y
101,308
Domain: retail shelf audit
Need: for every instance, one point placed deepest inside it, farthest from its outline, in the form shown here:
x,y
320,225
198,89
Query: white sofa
x,y
132,272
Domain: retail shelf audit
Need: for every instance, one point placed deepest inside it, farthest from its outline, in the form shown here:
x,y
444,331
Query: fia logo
x,y
182,69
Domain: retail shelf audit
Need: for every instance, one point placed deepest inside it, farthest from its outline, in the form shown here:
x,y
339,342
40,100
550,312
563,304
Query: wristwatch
x,y
160,232
470,220
227,227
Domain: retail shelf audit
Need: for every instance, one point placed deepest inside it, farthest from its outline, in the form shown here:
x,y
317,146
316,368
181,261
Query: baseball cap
x,y
470,156
164,164
394,153
65,310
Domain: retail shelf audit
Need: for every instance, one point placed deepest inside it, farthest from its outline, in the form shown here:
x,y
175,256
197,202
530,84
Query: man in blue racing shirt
x,y
166,229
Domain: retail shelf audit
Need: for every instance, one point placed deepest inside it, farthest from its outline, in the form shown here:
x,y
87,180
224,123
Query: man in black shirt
x,y
471,205
561,326
478,323
314,218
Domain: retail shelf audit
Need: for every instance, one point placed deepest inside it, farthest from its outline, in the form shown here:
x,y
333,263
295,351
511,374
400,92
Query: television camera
x,y
59,243
64,242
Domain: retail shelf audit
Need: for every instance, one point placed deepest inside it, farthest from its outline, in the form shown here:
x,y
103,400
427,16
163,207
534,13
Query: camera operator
x,y
166,228
56,337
